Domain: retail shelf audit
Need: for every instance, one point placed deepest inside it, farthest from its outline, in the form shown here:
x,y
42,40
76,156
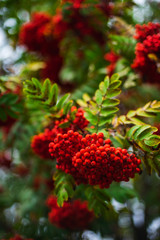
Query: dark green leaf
x,y
3,115
8,99
115,84
113,93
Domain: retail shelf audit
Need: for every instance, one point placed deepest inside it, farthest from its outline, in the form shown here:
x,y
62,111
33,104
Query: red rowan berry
x,y
72,215
100,135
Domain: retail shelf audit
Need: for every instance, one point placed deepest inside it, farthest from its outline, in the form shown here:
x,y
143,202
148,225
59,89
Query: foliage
x,y
84,31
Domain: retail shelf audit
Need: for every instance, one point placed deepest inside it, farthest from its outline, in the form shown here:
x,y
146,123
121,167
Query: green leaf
x,y
143,113
98,200
92,118
102,88
62,101
82,103
132,131
131,113
114,77
104,120
153,140
147,133
67,107
152,110
29,84
102,195
17,107
98,96
140,130
9,99
86,97
31,92
110,102
155,104
3,115
115,84
144,146
62,196
53,95
106,82
37,84
46,89
136,121
113,93
108,111
121,194
11,113
63,186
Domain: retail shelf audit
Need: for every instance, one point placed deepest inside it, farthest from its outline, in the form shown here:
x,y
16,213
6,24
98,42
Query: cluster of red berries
x,y
38,35
40,142
78,123
42,36
147,60
142,31
72,216
44,33
102,164
63,149
111,57
18,237
92,159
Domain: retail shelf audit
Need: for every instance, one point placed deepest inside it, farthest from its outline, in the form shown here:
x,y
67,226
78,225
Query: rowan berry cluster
x,y
72,216
78,123
44,33
101,165
142,31
92,159
63,149
18,237
38,34
147,52
40,142
42,36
